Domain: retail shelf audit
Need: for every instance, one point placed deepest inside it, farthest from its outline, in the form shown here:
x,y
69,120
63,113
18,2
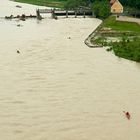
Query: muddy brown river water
x,y
59,89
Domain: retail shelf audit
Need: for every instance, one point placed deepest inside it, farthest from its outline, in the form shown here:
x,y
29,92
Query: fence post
x,y
53,13
66,13
75,14
84,13
38,14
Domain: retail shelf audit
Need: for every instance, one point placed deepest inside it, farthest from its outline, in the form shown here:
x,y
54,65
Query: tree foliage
x,y
71,4
101,8
131,3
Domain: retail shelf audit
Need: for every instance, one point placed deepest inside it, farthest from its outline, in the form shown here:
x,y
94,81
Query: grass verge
x,y
48,3
121,25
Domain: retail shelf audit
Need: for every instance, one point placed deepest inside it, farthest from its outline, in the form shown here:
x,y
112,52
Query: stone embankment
x,y
93,34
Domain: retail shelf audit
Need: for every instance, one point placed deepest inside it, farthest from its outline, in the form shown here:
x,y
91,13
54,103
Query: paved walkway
x,y
129,19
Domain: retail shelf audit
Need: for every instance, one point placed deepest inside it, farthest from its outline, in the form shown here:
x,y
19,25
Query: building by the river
x,y
116,7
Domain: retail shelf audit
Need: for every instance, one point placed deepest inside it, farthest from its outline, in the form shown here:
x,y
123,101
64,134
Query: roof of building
x,y
112,1
117,5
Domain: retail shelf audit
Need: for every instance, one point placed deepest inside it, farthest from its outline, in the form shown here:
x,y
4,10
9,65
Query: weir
x,y
59,12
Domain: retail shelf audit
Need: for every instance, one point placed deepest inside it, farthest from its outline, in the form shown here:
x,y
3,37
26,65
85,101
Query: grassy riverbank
x,y
49,3
121,37
112,23
127,49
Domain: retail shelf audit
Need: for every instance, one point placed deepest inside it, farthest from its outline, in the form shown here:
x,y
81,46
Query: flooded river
x,y
59,89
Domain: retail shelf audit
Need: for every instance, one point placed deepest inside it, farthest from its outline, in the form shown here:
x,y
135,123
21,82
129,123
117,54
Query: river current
x,y
57,88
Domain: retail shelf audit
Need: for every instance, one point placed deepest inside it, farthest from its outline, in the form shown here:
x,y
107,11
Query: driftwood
x,y
18,6
22,17
9,17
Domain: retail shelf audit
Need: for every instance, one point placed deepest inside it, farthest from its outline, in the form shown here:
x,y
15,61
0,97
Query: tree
x,y
72,4
101,8
131,3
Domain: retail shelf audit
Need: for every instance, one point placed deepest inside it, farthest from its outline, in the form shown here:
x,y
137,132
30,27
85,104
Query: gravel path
x,y
129,19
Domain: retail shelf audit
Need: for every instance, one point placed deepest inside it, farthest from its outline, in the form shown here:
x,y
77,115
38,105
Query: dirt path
x,y
129,19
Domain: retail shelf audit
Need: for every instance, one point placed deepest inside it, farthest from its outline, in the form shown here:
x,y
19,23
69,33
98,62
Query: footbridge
x,y
81,11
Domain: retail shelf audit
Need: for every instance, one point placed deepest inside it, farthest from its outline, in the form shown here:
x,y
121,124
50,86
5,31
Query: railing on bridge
x,y
45,10
59,12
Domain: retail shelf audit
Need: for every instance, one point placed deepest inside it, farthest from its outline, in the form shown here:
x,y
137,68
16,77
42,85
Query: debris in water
x,y
22,17
18,6
127,114
18,51
19,25
9,17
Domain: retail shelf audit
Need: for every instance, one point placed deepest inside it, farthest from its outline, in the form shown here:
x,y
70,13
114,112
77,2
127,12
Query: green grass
x,y
120,25
49,3
127,50
128,46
